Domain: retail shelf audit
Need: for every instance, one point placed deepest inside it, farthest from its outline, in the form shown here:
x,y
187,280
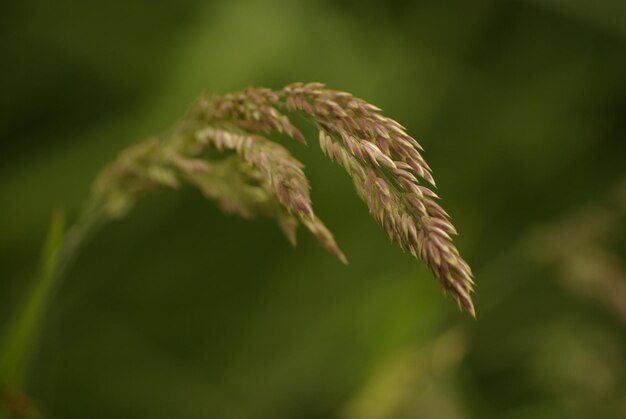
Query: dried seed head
x,y
262,177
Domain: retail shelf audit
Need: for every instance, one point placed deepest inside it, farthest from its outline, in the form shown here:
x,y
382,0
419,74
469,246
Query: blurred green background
x,y
180,311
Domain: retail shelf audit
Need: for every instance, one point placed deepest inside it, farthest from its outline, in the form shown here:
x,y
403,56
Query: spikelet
x,y
252,109
281,173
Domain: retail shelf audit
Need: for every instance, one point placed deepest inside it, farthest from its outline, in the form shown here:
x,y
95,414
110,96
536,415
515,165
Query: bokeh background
x,y
180,311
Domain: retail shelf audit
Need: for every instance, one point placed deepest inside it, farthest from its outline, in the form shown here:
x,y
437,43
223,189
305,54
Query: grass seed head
x,y
259,176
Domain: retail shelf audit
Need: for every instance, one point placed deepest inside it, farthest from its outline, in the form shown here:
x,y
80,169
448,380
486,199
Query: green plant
x,y
219,146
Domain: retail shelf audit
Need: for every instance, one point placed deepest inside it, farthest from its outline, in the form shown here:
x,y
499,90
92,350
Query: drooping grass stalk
x,y
220,147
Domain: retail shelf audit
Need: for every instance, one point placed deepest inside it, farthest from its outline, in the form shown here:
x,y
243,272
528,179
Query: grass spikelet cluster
x,y
253,175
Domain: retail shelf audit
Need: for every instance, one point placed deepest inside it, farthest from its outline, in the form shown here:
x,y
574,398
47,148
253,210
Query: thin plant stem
x,y
22,332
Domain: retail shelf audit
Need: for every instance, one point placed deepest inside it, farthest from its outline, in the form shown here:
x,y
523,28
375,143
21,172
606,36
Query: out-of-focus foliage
x,y
178,311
